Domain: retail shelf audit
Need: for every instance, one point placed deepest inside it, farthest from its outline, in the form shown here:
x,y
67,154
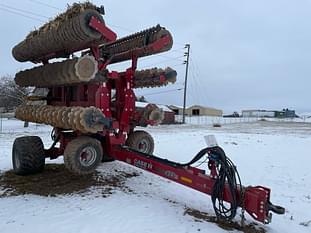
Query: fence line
x,y
8,123
211,120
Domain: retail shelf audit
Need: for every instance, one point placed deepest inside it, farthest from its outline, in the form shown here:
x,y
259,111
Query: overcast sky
x,y
244,54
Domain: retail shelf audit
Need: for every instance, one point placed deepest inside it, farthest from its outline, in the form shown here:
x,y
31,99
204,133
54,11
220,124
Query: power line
x,y
161,92
178,50
113,25
20,14
120,27
195,85
118,66
38,15
37,19
194,92
171,59
176,65
45,4
160,55
59,9
196,75
24,11
182,44
167,65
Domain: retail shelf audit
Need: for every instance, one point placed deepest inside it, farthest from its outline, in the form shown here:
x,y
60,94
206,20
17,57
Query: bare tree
x,y
11,95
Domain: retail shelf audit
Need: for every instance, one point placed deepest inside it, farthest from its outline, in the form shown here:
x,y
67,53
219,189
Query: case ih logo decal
x,y
142,164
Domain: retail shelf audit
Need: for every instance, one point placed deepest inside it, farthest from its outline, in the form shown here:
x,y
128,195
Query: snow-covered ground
x,y
272,154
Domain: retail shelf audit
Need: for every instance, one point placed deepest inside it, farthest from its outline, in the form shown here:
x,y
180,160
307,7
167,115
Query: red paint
x,y
254,197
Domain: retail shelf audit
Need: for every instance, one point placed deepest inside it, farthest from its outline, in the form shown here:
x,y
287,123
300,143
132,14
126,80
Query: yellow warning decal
x,y
185,179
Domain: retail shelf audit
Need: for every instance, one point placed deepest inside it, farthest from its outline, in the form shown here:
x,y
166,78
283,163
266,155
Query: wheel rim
x,y
87,156
143,146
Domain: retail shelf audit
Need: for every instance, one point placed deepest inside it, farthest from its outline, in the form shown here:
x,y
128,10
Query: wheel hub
x,y
143,145
87,156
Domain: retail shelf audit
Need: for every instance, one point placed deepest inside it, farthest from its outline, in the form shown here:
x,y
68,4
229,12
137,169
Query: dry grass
x,y
72,11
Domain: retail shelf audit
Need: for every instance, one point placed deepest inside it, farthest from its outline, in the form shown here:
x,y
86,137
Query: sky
x,y
244,54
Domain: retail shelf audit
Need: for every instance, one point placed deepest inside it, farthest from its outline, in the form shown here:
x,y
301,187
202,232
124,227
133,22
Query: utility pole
x,y
0,122
187,46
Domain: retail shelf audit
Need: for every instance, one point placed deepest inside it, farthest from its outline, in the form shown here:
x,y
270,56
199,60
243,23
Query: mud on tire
x,y
82,155
28,155
141,141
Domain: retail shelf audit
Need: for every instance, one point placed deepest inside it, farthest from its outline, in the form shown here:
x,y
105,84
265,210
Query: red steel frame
x,y
256,199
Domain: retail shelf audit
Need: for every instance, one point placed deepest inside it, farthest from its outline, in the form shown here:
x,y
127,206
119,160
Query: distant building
x,y
234,114
176,109
196,110
285,113
258,113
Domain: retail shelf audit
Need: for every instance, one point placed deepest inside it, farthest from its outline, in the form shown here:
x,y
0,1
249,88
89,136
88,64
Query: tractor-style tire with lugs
x,y
82,155
141,141
28,155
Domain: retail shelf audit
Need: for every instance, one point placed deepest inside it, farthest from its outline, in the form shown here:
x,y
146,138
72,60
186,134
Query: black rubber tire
x,y
135,139
28,155
74,150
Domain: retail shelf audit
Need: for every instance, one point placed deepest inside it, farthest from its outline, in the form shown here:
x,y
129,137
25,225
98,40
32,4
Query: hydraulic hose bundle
x,y
227,175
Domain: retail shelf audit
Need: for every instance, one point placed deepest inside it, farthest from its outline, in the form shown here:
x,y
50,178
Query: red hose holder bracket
x,y
256,203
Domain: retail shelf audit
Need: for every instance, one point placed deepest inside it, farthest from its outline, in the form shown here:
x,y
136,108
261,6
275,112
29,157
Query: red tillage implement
x,y
93,113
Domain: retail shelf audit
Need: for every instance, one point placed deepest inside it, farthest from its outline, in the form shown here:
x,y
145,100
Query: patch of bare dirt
x,y
56,180
229,226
